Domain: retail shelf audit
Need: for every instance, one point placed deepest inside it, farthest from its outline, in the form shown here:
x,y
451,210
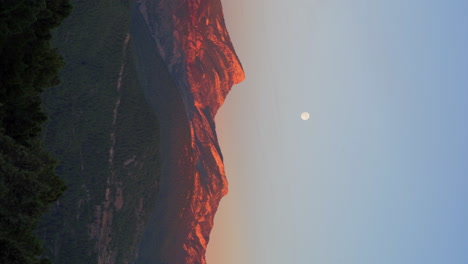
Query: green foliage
x,y
27,186
28,65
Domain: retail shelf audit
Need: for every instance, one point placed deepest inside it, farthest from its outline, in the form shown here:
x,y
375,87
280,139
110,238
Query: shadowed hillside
x,y
138,148
106,138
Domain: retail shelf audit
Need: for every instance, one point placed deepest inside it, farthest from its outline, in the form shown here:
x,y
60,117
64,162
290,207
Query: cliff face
x,y
192,41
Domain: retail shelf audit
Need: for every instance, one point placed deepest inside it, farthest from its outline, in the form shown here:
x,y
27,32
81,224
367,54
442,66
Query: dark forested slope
x,y
105,136
28,65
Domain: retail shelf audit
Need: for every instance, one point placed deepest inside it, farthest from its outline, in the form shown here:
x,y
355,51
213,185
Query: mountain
x,y
191,40
132,124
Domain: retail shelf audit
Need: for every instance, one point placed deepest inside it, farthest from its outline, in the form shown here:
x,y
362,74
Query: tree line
x,y
28,65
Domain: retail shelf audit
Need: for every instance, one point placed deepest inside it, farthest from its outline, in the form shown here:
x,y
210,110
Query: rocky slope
x,y
191,39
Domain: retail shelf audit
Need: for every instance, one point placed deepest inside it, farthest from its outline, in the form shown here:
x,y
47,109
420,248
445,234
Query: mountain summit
x,y
194,51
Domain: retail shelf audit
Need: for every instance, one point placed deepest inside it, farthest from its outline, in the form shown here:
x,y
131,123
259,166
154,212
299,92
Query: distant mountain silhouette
x,y
187,66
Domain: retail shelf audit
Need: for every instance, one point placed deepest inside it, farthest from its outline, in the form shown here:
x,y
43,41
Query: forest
x,y
28,65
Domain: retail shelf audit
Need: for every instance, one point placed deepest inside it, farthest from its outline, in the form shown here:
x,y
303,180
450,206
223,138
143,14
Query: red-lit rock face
x,y
193,42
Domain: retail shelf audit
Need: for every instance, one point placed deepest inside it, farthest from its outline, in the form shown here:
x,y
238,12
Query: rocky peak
x,y
193,42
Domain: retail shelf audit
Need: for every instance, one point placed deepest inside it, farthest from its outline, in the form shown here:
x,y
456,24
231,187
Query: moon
x,y
305,116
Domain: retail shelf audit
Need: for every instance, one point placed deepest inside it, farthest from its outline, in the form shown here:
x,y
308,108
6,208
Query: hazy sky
x,y
379,173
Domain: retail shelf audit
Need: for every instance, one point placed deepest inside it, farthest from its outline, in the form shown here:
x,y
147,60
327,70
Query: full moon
x,y
305,116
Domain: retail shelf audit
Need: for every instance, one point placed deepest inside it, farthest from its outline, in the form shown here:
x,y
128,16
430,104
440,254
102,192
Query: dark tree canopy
x,y
28,65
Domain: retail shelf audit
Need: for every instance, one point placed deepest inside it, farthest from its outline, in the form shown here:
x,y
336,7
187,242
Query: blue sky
x,y
378,174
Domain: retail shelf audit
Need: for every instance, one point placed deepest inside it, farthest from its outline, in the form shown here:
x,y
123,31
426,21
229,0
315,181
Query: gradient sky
x,y
379,173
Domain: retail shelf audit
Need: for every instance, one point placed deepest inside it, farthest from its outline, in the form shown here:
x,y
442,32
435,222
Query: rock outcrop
x,y
192,41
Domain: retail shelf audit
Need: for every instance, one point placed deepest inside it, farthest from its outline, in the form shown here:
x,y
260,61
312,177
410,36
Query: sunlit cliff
x,y
190,37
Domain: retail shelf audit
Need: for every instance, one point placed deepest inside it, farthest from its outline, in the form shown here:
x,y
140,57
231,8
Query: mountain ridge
x,y
192,40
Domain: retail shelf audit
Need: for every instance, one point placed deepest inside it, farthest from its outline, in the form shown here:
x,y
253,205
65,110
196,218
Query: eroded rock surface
x,y
190,37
